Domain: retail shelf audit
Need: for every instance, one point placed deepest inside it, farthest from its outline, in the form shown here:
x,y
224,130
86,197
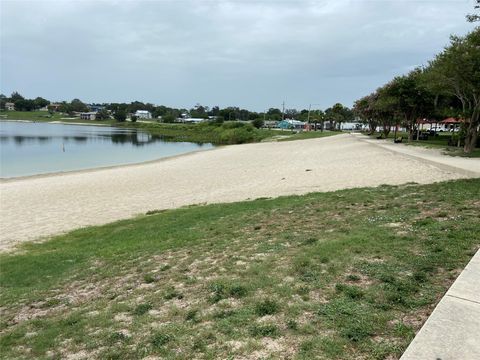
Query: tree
x,y
384,109
258,123
456,71
102,115
338,114
40,102
364,109
3,101
409,99
77,105
120,115
16,96
474,17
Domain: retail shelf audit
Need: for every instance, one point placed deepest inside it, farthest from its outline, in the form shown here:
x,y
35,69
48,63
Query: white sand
x,y
36,207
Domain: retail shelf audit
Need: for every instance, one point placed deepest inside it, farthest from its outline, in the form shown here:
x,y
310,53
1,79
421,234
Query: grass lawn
x,y
308,135
439,142
340,275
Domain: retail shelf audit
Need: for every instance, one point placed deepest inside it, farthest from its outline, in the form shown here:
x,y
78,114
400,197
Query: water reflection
x,y
35,148
137,138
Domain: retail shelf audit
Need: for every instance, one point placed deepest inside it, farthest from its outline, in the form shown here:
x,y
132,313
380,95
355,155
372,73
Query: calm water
x,y
38,148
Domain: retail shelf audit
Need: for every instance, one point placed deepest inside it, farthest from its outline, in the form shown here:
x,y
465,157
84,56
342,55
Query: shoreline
x,y
101,168
41,206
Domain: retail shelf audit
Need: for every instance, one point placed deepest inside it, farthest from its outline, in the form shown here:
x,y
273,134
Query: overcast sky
x,y
251,54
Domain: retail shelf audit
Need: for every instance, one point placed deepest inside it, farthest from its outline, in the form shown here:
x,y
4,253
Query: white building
x,y
88,115
143,114
9,106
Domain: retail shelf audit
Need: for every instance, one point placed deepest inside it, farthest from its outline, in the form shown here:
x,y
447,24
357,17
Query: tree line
x,y
448,86
334,115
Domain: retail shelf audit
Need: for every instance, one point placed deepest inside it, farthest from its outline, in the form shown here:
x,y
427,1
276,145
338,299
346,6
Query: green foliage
x,y
266,307
258,123
267,330
120,115
142,309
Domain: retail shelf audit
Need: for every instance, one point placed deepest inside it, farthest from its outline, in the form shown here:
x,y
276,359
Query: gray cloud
x,y
251,54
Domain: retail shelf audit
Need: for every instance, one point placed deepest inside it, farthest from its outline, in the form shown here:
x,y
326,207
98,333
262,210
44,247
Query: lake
x,y
39,148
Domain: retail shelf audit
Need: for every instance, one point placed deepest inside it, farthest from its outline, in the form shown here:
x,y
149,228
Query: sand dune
x,y
36,207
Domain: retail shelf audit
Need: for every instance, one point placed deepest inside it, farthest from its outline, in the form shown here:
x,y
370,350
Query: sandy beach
x,y
37,207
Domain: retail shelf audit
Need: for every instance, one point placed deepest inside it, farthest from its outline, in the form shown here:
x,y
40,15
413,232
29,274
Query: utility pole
x,y
283,110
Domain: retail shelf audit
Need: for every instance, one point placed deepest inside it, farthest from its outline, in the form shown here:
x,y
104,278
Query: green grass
x,y
309,135
438,142
340,275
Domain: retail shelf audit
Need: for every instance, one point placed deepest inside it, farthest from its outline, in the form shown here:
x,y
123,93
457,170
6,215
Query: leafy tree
x,y
76,105
338,114
169,118
456,71
120,115
24,105
364,109
258,123
474,17
409,99
16,96
3,101
291,113
40,102
102,115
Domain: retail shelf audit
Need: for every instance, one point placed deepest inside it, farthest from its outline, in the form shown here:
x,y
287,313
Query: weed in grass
x,y
160,339
142,309
266,307
165,267
309,241
353,292
352,277
222,291
191,315
292,324
171,293
264,330
149,278
117,337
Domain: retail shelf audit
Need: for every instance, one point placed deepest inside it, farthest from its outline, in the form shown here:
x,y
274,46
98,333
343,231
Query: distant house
x,y
95,107
270,124
291,124
350,125
194,120
88,115
143,114
54,106
9,106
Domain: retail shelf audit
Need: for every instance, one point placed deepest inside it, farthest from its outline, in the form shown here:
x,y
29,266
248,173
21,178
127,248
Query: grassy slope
x,y
348,274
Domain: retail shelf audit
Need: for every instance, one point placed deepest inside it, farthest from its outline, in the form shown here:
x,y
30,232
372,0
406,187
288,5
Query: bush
x,y
258,123
120,115
134,118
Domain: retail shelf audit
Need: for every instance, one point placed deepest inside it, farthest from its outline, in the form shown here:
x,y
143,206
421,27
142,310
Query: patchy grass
x,y
436,142
341,275
308,135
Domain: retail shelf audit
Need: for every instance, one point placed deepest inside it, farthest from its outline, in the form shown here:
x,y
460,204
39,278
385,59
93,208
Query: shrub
x,y
258,123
